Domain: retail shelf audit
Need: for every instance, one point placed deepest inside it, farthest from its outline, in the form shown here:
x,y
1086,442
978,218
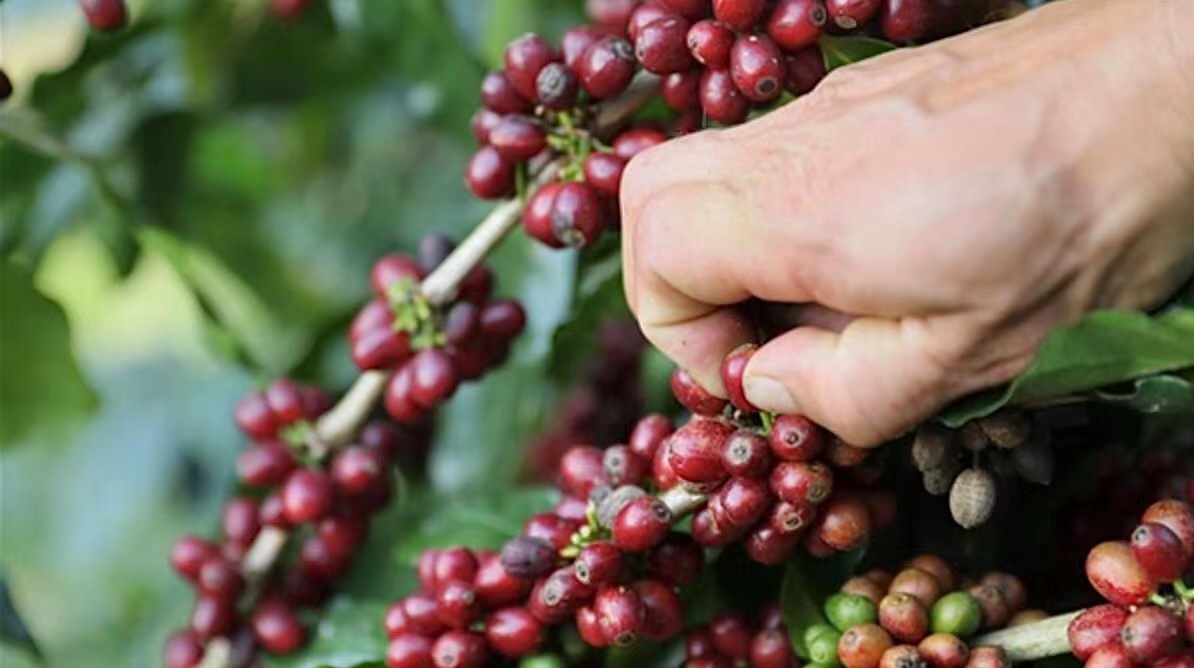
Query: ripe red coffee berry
x,y
720,98
598,563
770,547
456,604
795,438
575,41
944,650
747,453
678,560
731,635
422,614
906,21
662,473
307,496
902,656
642,524
189,554
459,649
454,563
645,14
741,15
771,649
995,610
482,123
865,587
409,650
105,14
525,56
849,14
740,503
757,68
277,628
554,529
425,568
649,432
1110,656
863,646
183,650
788,519
536,218
904,617
220,578
620,614
557,86
802,483
496,588
845,523
663,610
212,617
358,470
319,560
988,657
499,96
1177,516
681,90
939,569
607,67
689,9
265,464
797,24
1094,628
518,138
623,467
489,175
661,46
395,623
558,596
1114,572
694,451
694,397
803,70
435,377
514,632
603,171
1151,633
581,468
709,42
734,366
576,215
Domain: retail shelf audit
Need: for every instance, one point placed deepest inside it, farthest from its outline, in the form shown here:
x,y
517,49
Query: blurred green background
x,y
189,208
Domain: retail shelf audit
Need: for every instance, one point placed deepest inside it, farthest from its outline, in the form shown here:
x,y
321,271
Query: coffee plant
x,y
616,512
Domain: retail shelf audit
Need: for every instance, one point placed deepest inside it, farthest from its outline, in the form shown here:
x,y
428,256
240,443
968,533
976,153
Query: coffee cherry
x,y
357,470
219,578
987,657
1116,575
709,42
747,454
183,650
662,473
589,628
571,508
607,67
576,215
957,613
277,628
320,560
556,86
459,649
489,175
788,519
518,138
802,483
649,432
636,140
678,560
731,635
694,450
689,9
795,438
1178,661
796,24
906,21
863,646
454,563
921,584
880,577
1178,517
902,656
821,640
732,369
694,397
395,623
495,587
189,554
663,612
740,503
265,464
849,14
503,319
865,587
642,524
720,98
623,467
944,650
661,46
995,611
255,418
804,70
681,90
435,377
609,505
409,650
213,617
425,568
603,171
582,468
1189,621
482,123
1110,656
575,41
536,218
757,67
1151,633
1010,586
422,614
456,604
559,596
514,632
769,547
848,610
845,523
937,567
741,15
771,649
598,563
620,614
1094,628
904,617
644,15
105,14
525,57
610,15
307,496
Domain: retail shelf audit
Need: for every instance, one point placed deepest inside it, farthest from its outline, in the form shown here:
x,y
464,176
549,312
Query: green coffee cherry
x,y
815,630
822,647
542,661
957,613
847,610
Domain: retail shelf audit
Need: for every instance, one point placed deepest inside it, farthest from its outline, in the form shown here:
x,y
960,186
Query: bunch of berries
x,y
730,639
430,348
1149,617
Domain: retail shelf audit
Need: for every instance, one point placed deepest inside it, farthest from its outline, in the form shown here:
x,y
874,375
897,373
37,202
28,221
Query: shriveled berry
x,y
495,587
845,523
536,218
694,397
849,14
642,524
746,453
803,70
277,628
731,635
1094,628
944,650
757,67
863,646
972,498
904,617
769,547
1114,572
607,67
598,563
845,611
661,46
720,98
678,560
514,632
459,649
1151,633
904,21
603,171
577,215
694,450
489,175
662,608
620,614
307,496
741,15
1013,590
409,650
995,610
518,138
183,650
957,612
525,57
1177,516
796,24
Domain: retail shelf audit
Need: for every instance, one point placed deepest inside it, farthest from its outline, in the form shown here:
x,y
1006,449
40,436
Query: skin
x,y
933,212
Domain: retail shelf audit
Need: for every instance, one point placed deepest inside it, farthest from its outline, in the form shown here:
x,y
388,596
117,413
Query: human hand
x,y
959,201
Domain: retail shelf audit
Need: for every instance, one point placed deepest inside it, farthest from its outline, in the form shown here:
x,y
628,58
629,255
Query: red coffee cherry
x,y
804,70
681,90
456,604
395,623
995,610
105,14
1110,656
422,614
577,215
1151,633
649,432
741,15
503,319
495,587
757,68
678,560
499,95
642,524
845,523
770,649
575,41
789,519
849,14
902,656
944,650
731,635
307,496
802,483
661,46
183,650
863,646
454,563
603,172
620,614
636,140
1009,585
662,473
358,470
988,657
265,464
459,649
557,597
536,218
769,547
918,583
694,397
740,503
797,24
525,57
644,15
489,175
1116,575
939,569
1177,516
865,587
709,42
747,453
598,563
482,123
514,632
663,612
435,377
518,138
694,451
409,650
189,554
213,617
277,628
557,86
607,67
689,9
1096,627
906,21
904,617
219,578
318,559
720,98
795,438
734,365
623,467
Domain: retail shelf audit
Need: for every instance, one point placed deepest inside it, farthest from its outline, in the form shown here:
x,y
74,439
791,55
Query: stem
x,y
263,553
1030,642
1183,590
337,426
217,655
681,501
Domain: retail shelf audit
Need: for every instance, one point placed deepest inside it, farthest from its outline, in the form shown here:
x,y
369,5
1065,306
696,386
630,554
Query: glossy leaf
x,y
840,51
348,635
13,630
477,521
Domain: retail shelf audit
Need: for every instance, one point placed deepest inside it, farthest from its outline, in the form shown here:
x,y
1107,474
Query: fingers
x,y
866,384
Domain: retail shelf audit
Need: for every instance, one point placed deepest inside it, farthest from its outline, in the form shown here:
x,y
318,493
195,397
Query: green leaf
x,y
1105,347
599,297
13,630
840,51
1163,394
349,635
807,583
475,521
42,390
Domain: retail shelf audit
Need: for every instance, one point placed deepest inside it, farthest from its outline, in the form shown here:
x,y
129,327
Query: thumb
x,y
868,383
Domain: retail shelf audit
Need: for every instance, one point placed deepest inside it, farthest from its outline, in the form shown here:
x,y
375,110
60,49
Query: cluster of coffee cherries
x,y
602,407
324,506
923,616
1149,617
429,348
731,639
774,482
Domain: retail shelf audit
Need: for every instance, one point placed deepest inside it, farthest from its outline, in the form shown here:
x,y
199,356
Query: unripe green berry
x,y
822,647
846,610
957,613
542,661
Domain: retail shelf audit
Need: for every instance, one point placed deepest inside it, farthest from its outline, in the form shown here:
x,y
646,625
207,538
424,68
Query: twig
x,y
681,501
337,426
1030,642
